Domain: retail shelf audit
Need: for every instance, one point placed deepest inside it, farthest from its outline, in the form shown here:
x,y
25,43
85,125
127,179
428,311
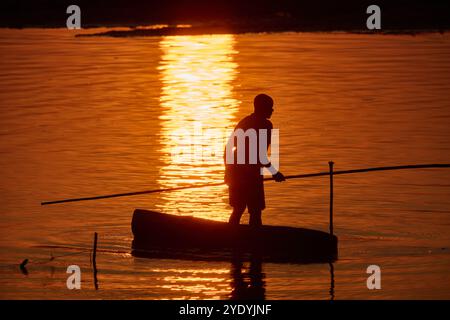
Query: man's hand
x,y
279,177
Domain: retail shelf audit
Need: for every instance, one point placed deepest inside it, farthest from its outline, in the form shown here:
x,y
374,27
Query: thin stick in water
x,y
94,260
331,163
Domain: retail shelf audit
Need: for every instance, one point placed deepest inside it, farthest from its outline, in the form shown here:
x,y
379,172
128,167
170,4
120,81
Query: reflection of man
x,y
247,285
244,161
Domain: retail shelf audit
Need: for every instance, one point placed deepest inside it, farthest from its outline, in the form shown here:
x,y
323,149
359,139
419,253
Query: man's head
x,y
263,105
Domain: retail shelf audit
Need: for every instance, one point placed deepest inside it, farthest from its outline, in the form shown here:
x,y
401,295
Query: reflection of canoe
x,y
169,236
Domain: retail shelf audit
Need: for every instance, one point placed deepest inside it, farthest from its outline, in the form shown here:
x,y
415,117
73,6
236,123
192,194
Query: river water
x,y
92,116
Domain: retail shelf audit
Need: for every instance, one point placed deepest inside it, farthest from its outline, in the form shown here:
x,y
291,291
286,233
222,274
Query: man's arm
x,y
278,176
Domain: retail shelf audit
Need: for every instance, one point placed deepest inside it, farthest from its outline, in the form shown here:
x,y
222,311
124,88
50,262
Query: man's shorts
x,y
247,195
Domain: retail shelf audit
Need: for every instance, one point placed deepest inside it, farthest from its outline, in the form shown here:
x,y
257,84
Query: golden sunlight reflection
x,y
240,281
197,74
206,283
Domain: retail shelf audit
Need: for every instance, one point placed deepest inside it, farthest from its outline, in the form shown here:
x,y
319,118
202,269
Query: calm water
x,y
90,116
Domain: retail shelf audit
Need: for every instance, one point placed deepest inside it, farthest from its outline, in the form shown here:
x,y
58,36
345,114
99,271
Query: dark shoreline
x,y
143,31
204,30
230,16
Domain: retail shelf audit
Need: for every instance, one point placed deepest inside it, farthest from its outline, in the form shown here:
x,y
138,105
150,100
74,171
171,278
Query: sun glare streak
x,y
197,74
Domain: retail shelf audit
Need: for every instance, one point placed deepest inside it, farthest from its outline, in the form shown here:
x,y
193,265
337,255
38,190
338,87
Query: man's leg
x,y
256,204
236,215
255,217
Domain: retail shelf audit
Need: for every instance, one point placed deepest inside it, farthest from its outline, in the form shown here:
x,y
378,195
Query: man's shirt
x,y
248,148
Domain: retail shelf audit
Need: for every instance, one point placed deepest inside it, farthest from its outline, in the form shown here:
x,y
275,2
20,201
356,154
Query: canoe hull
x,y
170,236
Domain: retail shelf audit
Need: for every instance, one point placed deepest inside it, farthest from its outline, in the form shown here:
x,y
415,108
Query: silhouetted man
x,y
245,155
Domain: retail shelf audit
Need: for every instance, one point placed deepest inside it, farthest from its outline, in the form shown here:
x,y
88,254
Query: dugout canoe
x,y
159,235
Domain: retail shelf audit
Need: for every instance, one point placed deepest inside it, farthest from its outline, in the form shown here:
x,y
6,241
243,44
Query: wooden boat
x,y
162,235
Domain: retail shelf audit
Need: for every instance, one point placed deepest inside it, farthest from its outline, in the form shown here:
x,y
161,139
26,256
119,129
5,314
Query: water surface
x,y
90,116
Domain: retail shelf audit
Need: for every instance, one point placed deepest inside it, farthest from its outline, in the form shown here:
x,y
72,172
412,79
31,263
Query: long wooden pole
x,y
298,176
